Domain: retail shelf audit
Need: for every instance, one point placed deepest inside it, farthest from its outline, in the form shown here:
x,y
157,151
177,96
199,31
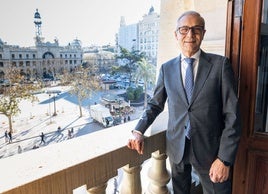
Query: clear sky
x,y
91,21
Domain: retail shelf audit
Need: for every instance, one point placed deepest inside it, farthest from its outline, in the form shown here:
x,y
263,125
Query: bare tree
x,y
83,82
14,90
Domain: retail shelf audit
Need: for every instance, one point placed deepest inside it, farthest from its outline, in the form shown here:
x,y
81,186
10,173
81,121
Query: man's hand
x,y
136,143
218,172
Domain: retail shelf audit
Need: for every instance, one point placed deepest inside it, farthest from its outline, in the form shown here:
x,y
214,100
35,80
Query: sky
x,y
94,22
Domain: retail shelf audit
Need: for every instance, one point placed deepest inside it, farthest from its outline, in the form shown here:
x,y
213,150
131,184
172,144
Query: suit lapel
x,y
204,68
181,91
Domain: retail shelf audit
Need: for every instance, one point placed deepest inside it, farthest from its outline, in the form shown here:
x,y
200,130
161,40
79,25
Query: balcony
x,y
90,161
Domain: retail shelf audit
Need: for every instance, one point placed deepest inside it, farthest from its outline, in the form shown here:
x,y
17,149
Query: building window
x,y
13,56
34,56
20,56
27,56
1,64
0,56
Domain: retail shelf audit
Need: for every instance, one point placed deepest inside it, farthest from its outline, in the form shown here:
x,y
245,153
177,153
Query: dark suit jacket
x,y
213,110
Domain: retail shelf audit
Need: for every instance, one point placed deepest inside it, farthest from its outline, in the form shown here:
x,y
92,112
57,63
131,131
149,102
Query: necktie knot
x,y
190,61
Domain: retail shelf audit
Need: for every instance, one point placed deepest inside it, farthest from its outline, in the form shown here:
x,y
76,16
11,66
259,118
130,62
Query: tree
x,y
15,89
83,82
146,72
129,61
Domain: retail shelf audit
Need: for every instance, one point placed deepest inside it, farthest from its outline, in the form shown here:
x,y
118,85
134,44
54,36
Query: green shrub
x,y
134,93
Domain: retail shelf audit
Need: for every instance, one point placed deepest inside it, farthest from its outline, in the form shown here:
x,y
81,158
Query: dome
x,y
37,15
151,10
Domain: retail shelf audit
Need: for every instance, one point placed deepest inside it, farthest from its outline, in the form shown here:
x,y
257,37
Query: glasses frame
x,y
193,28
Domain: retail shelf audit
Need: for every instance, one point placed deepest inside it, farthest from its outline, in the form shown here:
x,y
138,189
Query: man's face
x,y
190,34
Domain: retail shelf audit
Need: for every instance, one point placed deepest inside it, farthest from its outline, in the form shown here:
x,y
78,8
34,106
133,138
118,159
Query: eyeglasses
x,y
195,29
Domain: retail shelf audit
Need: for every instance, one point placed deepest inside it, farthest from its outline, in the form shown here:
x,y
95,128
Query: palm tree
x,y
146,72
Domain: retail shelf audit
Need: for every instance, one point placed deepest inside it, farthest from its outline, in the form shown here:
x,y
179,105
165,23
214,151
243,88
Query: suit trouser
x,y
181,176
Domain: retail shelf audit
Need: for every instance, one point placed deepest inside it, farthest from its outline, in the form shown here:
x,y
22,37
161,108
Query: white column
x,y
98,189
158,174
131,183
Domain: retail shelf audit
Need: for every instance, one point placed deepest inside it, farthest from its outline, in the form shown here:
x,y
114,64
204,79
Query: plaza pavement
x,y
37,117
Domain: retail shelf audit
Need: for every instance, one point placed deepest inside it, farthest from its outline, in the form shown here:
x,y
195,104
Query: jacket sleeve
x,y
232,125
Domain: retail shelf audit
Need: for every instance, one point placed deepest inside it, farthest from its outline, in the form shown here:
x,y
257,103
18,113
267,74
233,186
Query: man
x,y
42,138
204,124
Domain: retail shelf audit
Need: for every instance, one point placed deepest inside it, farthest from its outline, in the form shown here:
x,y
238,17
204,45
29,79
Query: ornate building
x,y
44,60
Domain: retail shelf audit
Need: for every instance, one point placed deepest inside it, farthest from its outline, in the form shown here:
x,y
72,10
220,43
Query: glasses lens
x,y
195,29
184,29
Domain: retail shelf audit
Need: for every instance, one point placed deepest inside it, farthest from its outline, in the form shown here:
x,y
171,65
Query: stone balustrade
x,y
90,160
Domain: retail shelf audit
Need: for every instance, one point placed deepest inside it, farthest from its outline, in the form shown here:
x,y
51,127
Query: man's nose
x,y
190,32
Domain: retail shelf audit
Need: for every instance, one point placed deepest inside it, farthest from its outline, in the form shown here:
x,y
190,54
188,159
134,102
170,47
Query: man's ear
x,y
175,34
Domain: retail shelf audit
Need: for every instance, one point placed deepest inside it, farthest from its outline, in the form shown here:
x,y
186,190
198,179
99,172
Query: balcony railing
x,y
90,160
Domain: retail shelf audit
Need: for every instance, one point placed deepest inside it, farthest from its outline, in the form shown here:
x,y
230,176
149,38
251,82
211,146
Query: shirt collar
x,y
195,56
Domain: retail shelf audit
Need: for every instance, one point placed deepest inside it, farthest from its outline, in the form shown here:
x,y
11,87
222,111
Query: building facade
x,y
142,36
44,60
127,35
148,29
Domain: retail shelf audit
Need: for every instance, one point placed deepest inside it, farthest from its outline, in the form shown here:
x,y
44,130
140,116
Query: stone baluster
x,y
158,175
131,183
101,189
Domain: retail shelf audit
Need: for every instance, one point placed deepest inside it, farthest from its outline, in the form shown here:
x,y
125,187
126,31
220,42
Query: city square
x,y
37,117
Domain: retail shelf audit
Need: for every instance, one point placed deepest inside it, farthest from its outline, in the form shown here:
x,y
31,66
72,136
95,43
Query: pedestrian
x,y
19,149
69,134
42,138
6,136
59,129
10,136
72,130
203,129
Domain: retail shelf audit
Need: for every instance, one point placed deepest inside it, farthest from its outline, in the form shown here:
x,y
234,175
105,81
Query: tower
x,y
38,23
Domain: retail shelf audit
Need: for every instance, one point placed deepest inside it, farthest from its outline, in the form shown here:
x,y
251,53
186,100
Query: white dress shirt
x,y
184,65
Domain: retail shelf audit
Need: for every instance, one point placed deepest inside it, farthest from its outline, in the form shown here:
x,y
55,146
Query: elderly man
x,y
204,124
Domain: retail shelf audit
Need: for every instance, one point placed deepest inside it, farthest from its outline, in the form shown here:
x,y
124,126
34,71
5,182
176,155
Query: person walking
x,y
6,136
10,136
204,124
42,138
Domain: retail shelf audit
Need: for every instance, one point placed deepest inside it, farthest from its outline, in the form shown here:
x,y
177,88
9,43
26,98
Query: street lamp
x,y
54,92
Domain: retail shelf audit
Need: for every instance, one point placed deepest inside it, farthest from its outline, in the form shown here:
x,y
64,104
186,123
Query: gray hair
x,y
193,13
